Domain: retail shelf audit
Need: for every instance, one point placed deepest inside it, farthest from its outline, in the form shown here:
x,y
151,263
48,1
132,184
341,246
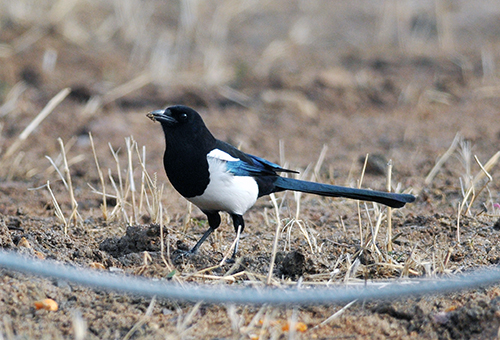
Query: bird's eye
x,y
183,117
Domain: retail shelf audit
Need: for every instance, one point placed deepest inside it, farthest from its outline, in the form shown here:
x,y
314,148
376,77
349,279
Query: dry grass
x,y
51,105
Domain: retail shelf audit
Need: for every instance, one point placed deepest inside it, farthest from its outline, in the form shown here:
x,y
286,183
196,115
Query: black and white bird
x,y
216,176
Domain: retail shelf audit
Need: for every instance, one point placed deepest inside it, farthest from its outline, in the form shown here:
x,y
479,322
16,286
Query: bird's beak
x,y
161,116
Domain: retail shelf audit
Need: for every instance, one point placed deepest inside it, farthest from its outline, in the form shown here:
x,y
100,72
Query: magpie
x,y
215,176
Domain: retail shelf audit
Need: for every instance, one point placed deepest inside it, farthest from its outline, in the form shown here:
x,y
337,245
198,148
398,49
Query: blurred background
x,y
365,76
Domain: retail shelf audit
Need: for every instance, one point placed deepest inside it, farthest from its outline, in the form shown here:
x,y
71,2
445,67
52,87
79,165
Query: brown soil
x,y
356,86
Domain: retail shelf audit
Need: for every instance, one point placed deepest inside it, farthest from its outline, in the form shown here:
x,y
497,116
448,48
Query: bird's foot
x,y
180,254
231,260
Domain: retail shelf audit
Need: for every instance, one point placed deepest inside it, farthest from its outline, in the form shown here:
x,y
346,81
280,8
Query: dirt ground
x,y
394,80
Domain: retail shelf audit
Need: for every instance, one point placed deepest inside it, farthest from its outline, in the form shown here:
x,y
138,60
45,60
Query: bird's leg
x,y
213,222
239,225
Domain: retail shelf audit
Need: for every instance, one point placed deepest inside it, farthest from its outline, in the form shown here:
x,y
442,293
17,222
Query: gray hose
x,y
244,294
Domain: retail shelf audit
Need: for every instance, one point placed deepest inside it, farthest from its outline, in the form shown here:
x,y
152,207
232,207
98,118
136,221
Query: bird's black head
x,y
176,116
184,128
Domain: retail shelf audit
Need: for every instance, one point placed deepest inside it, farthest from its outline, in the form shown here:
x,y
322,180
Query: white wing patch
x,y
224,156
225,191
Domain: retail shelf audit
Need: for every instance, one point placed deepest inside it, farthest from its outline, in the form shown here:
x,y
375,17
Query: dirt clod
x,y
136,239
293,265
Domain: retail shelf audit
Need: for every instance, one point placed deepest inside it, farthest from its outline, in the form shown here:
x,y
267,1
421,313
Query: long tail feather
x,y
387,198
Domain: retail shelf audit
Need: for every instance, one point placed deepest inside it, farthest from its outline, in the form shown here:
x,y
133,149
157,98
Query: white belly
x,y
226,192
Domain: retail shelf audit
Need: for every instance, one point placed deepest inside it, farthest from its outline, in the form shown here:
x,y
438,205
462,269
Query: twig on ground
x,y
104,206
443,159
74,204
143,320
57,208
276,237
389,209
360,182
336,314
